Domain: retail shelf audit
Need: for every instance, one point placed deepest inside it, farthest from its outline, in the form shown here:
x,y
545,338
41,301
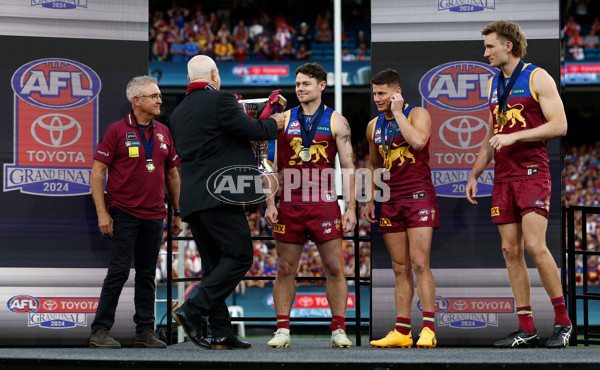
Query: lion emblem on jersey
x,y
513,115
399,152
317,150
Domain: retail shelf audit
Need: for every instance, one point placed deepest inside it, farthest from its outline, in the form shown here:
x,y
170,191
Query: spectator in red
x,y
323,29
596,25
241,50
283,34
575,39
571,26
240,31
160,49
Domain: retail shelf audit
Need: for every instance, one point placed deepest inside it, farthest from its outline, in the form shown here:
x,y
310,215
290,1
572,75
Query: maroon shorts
x,y
512,200
317,222
400,215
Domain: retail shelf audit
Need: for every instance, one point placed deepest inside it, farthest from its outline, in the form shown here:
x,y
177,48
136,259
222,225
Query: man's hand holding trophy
x,y
263,108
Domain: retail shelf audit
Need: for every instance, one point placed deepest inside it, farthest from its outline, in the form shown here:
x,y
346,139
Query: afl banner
x,y
64,75
437,48
55,128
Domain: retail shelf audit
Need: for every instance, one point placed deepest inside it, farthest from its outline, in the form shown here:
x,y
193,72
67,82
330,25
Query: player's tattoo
x,y
345,138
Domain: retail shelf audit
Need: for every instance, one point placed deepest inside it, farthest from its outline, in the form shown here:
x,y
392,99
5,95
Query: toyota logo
x,y
463,132
56,130
459,305
50,305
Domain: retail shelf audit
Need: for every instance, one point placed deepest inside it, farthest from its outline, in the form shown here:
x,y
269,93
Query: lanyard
x,y
388,147
503,92
308,134
148,145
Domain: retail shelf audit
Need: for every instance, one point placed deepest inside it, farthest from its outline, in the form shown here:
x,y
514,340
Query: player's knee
x,y
420,266
401,268
285,268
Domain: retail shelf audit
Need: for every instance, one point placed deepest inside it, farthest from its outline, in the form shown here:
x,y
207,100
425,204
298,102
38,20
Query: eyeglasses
x,y
153,96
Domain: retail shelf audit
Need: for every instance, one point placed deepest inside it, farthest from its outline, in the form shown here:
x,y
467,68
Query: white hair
x,y
200,67
136,86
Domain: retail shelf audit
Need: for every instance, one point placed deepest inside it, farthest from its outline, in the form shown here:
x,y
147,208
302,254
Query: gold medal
x,y
304,155
501,118
150,165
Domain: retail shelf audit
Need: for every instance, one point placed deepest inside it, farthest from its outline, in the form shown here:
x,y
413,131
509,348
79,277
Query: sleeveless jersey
x,y
410,175
522,160
317,181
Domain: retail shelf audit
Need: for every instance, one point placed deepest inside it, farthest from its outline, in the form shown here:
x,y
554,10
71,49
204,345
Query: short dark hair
x,y
313,70
388,76
509,31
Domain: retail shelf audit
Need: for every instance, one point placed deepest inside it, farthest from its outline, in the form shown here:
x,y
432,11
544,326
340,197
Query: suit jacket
x,y
212,135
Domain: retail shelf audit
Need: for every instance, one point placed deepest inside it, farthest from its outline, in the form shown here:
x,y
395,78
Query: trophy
x,y
263,108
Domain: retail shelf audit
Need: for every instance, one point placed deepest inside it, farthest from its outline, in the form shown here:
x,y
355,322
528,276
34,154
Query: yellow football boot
x,y
426,339
394,339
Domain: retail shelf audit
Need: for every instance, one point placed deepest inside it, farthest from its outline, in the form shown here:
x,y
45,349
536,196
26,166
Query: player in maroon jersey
x,y
308,208
525,111
399,142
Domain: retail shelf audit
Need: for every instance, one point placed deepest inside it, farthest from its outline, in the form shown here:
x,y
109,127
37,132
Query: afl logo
x,y
424,212
463,132
56,130
23,304
56,83
457,86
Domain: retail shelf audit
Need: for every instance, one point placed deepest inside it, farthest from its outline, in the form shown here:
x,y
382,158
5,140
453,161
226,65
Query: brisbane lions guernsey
x,y
522,160
314,182
410,175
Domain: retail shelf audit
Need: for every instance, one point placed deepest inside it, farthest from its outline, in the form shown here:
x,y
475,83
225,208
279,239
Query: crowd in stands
x,y
582,188
252,33
580,31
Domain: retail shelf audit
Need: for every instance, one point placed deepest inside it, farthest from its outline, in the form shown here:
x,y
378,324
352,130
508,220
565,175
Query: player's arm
x,y
346,156
270,185
173,183
416,134
373,164
552,107
485,156
105,222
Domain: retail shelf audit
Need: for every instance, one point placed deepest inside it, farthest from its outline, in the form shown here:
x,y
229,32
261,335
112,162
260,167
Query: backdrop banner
x,y
64,76
437,48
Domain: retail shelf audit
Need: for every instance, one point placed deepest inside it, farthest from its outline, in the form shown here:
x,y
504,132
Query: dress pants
x,y
140,239
222,236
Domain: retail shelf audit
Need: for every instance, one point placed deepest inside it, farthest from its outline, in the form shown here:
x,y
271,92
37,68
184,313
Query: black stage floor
x,y
305,353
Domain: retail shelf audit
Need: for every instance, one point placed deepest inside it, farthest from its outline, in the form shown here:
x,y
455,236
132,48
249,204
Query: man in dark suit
x,y
212,135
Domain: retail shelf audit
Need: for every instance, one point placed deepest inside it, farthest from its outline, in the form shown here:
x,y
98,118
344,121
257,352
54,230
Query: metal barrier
x,y
358,281
568,234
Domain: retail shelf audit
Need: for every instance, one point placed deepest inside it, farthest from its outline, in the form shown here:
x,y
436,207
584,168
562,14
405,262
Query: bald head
x,y
202,68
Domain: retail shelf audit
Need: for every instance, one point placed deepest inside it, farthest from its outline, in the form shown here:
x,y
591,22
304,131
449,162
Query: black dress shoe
x,y
184,320
229,342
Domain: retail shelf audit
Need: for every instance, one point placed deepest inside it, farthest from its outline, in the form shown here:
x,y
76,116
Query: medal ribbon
x,y
388,147
503,92
148,145
308,134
